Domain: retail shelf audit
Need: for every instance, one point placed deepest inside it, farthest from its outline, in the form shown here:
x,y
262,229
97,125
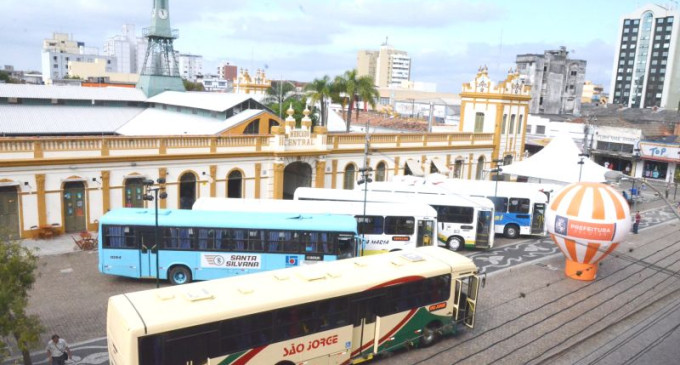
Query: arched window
x,y
253,127
380,172
479,122
512,124
519,124
504,123
480,168
350,171
235,184
272,123
134,193
458,168
187,190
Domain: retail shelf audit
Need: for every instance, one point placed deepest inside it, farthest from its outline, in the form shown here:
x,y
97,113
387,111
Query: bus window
x,y
399,225
255,240
370,224
500,203
519,205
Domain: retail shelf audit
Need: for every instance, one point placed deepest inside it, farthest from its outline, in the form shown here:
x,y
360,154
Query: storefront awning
x,y
415,168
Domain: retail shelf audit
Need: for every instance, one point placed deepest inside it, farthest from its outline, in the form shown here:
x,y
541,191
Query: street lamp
x,y
148,183
583,156
636,158
365,178
617,176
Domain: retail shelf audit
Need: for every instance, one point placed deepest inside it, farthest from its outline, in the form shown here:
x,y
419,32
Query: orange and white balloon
x,y
587,221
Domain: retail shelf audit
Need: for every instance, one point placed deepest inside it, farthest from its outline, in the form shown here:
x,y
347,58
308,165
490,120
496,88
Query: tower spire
x,y
160,71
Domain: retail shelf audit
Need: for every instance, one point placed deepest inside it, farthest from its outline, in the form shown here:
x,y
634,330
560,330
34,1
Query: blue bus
x,y
204,245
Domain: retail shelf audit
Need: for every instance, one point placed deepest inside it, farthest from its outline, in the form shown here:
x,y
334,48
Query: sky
x,y
447,40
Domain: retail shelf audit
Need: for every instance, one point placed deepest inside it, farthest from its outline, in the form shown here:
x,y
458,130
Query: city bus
x,y
520,207
461,221
197,245
338,312
384,227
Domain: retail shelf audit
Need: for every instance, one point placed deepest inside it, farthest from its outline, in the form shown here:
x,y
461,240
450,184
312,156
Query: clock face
x,y
162,13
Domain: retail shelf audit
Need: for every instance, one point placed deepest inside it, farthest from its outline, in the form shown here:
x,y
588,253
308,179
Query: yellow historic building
x,y
55,183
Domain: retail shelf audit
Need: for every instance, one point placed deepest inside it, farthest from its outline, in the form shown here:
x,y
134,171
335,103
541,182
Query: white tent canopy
x,y
558,162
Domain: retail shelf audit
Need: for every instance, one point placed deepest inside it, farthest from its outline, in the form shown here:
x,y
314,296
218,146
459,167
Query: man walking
x,y
57,351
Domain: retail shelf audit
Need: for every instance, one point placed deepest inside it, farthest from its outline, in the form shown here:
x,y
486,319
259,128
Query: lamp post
x,y
633,192
617,176
583,156
365,179
148,183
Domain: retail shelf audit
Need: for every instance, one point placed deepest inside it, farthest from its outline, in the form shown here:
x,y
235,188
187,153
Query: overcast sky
x,y
305,39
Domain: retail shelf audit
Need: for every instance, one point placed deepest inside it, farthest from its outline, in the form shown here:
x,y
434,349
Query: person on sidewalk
x,y
57,351
636,223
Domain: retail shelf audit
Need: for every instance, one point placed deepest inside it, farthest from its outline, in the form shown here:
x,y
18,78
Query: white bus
x,y
384,227
461,221
330,313
520,207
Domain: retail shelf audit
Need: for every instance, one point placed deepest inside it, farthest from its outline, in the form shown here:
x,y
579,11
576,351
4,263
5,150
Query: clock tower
x,y
160,71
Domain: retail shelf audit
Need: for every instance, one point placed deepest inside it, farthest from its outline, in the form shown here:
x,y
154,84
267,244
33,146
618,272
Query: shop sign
x,y
660,151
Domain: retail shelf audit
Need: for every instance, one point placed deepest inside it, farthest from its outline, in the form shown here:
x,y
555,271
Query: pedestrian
x,y
636,223
57,351
625,196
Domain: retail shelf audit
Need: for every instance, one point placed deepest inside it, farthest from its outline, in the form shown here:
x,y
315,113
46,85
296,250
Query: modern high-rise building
x,y
646,70
556,81
388,67
190,66
58,51
226,71
128,49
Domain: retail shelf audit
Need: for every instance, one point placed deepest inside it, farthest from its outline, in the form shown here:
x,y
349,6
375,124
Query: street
x,y
525,281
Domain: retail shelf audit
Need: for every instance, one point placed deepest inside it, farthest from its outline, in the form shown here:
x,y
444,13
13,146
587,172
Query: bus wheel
x,y
454,243
430,334
179,275
511,231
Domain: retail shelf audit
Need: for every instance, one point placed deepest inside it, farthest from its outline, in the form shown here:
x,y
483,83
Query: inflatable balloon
x,y
587,221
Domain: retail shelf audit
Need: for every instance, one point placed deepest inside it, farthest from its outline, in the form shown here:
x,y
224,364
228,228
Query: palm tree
x,y
277,95
319,90
367,92
353,87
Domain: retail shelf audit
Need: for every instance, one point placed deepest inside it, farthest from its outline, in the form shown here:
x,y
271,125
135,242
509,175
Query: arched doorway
x,y
350,172
380,172
235,184
134,192
9,212
73,199
480,168
187,190
295,175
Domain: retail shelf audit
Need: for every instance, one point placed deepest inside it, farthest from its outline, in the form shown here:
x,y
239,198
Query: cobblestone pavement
x,y
70,295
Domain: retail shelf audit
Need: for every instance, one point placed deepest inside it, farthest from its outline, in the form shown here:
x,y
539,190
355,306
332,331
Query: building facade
x,y
500,109
593,94
388,67
226,71
646,67
190,66
61,49
128,49
556,81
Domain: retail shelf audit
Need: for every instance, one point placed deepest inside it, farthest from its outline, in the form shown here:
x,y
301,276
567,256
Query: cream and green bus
x,y
337,312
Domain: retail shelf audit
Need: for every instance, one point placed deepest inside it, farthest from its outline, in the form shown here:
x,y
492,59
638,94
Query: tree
x,y
277,95
4,76
192,86
319,90
367,92
17,275
353,87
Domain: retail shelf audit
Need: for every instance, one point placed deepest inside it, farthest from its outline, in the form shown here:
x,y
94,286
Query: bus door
x,y
465,300
363,311
146,241
426,234
538,219
484,229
